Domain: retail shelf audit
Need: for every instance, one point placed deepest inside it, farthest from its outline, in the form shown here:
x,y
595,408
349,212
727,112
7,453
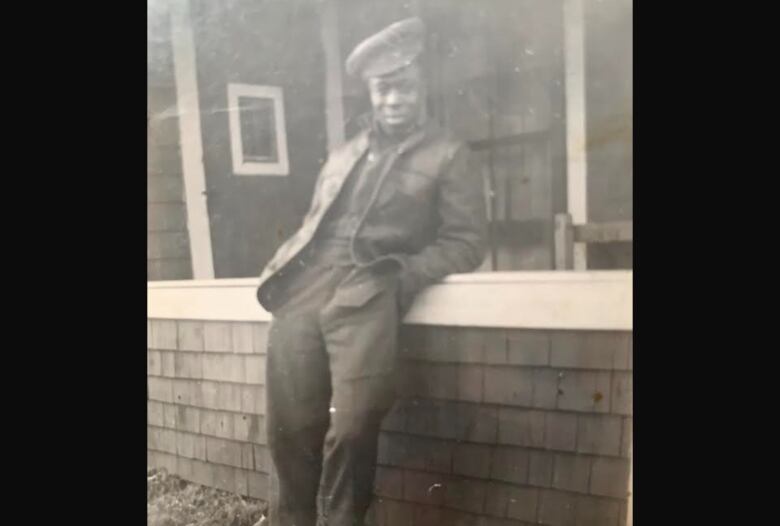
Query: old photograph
x,y
389,262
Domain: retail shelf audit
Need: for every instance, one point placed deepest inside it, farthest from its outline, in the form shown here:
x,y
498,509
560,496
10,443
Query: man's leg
x,y
361,343
298,394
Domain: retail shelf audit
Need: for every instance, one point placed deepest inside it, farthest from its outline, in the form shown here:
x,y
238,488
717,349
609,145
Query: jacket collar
x,y
345,159
379,142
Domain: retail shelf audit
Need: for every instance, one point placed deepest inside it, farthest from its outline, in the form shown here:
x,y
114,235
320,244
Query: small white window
x,y
258,139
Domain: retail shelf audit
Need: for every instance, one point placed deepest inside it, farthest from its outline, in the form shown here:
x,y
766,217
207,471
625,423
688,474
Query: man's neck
x,y
384,139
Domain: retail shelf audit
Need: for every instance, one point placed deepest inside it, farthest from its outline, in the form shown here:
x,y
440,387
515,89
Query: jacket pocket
x,y
359,288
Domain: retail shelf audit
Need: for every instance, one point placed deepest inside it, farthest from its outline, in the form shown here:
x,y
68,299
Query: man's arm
x,y
461,240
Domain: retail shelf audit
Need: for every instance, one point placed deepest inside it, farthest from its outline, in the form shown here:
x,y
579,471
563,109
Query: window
x,y
257,130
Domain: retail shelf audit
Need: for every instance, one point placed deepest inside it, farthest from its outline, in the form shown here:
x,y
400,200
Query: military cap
x,y
393,48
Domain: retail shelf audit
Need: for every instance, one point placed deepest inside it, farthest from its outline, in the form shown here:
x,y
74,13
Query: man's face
x,y
397,98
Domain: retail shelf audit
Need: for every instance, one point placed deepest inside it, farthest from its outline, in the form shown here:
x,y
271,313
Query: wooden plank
x,y
539,178
522,232
611,232
518,138
564,242
542,300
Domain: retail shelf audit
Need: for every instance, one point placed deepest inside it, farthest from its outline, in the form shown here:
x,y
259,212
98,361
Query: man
x,y
395,209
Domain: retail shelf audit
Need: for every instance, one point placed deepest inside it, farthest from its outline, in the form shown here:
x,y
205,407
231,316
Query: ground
x,y
172,501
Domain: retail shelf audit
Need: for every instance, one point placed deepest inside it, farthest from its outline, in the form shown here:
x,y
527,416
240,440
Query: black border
x,y
75,84
694,391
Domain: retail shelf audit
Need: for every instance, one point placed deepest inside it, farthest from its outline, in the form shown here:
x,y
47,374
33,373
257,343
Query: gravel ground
x,y
171,501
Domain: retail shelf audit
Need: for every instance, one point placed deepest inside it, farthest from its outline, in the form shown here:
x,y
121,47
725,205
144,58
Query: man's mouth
x,y
396,116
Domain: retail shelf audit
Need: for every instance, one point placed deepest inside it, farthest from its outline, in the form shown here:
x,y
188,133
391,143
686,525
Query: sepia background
x,y
516,403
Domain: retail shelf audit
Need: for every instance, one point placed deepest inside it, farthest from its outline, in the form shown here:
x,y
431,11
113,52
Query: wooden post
x,y
576,144
608,232
185,73
564,242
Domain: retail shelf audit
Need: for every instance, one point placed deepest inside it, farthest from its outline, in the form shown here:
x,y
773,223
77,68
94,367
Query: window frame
x,y
281,167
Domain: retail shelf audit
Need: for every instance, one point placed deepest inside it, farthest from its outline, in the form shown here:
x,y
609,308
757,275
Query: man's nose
x,y
393,98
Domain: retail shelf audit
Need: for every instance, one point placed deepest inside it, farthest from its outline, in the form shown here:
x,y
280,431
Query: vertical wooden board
x,y
571,472
463,83
190,335
610,477
506,55
560,431
593,511
153,363
224,477
599,434
242,337
166,217
218,336
167,245
163,334
585,391
520,178
622,393
510,464
160,389
523,504
539,170
242,482
154,413
556,508
164,188
540,469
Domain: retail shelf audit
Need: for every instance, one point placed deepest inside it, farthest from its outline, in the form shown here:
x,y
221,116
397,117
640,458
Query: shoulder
x,y
435,155
448,145
350,149
356,142
452,151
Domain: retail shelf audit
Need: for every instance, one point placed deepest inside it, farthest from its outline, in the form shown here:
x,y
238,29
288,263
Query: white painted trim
x,y
185,74
576,136
240,166
601,300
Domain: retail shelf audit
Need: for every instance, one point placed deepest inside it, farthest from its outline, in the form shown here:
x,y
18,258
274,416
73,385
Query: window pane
x,y
258,132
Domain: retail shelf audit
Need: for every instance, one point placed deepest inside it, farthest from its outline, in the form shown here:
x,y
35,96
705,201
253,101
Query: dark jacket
x,y
426,216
